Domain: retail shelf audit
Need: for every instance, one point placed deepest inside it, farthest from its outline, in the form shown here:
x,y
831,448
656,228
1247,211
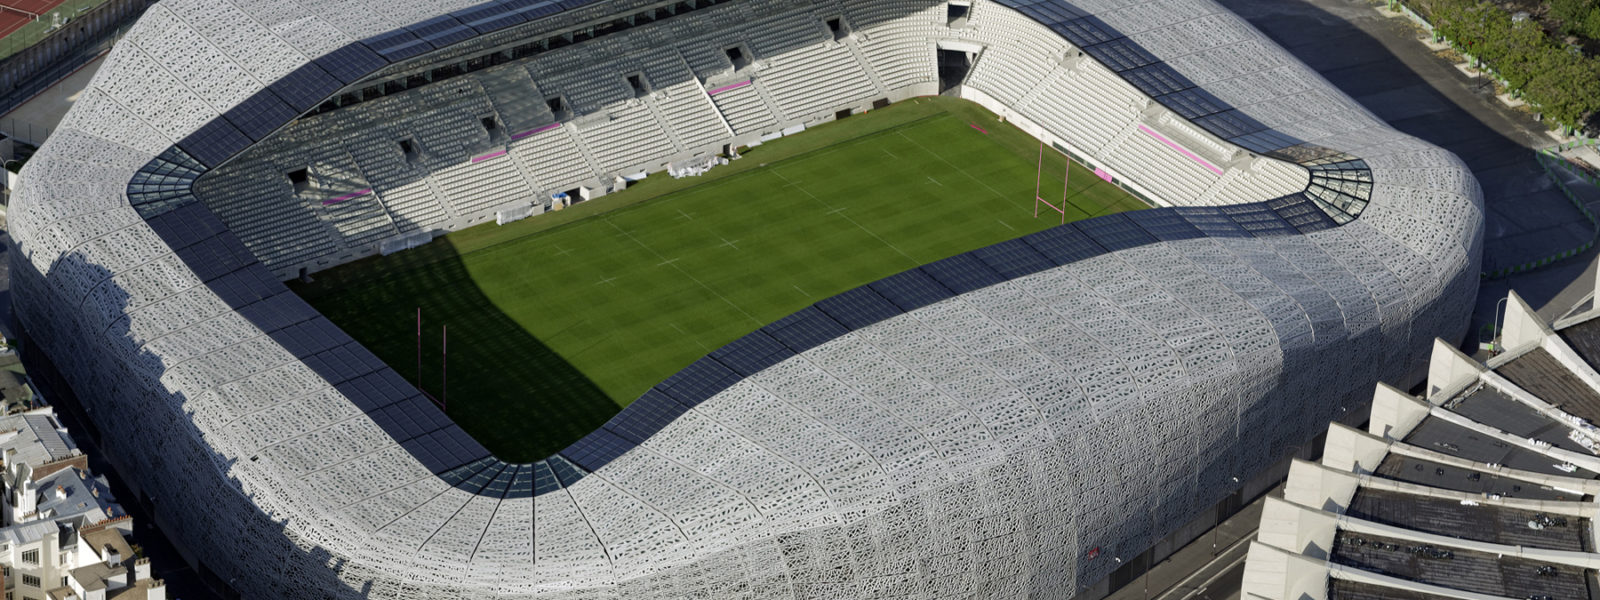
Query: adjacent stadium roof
x,y
1483,489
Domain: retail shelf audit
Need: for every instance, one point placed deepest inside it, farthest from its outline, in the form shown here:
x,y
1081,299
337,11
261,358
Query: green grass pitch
x,y
557,321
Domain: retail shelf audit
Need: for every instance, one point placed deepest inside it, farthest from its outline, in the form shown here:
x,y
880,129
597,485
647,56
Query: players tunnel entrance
x,y
954,64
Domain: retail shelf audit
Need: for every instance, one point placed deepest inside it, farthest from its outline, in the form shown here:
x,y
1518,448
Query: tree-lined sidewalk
x,y
1562,82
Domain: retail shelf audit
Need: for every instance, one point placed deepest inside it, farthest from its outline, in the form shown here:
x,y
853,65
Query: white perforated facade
x,y
978,445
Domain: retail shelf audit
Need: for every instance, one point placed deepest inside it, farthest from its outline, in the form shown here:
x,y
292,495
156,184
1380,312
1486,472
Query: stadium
x,y
1009,419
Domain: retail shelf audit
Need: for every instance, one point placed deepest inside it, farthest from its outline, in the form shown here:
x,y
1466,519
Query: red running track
x,y
16,13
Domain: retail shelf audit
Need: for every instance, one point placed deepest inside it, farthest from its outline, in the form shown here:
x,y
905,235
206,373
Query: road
x,y
1382,62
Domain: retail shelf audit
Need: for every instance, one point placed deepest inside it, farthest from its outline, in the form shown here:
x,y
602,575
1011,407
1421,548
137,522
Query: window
x,y
30,580
30,556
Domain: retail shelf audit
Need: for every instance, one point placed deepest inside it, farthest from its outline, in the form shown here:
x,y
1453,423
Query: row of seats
x,y
896,39
415,150
1076,94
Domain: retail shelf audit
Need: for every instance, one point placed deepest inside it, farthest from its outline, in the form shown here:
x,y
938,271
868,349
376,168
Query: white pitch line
x,y
935,181
606,281
837,210
802,292
734,243
696,280
686,334
886,151
852,221
952,165
1007,225
667,262
685,215
564,251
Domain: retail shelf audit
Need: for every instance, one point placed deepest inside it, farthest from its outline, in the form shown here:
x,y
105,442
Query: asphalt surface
x,y
1210,568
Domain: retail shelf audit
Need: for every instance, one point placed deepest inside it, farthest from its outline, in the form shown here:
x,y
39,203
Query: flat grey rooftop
x,y
1462,570
1490,407
1584,338
1483,523
1339,589
1543,376
1423,472
1449,438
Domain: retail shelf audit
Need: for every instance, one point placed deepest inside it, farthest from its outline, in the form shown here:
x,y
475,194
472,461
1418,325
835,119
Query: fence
x,y
24,131
62,16
30,69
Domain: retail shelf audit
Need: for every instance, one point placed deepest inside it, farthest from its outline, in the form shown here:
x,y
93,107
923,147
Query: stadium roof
x,y
1206,353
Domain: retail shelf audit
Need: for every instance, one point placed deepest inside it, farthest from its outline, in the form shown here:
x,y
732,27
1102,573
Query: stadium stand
x,y
988,424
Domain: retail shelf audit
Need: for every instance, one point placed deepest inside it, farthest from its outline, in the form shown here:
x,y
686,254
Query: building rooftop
x,y
1486,486
1449,438
72,492
1458,568
1542,375
96,576
1482,522
1462,479
34,438
101,538
1340,589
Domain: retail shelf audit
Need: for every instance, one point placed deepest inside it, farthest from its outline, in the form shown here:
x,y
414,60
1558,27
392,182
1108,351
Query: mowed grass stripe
x,y
554,326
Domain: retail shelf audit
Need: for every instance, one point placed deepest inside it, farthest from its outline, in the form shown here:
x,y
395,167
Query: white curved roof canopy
x,y
978,427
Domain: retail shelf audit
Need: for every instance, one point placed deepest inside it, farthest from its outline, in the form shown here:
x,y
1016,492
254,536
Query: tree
x,y
1577,17
1567,87
1562,82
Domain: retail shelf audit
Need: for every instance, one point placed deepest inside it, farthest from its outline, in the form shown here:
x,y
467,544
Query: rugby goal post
x,y
12,9
1038,186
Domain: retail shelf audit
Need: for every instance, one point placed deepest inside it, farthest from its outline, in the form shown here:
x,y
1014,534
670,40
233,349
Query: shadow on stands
x,y
518,397
185,488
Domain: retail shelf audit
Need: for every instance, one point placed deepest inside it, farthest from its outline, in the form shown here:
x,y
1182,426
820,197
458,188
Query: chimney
x,y
141,569
26,499
156,591
61,493
113,558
